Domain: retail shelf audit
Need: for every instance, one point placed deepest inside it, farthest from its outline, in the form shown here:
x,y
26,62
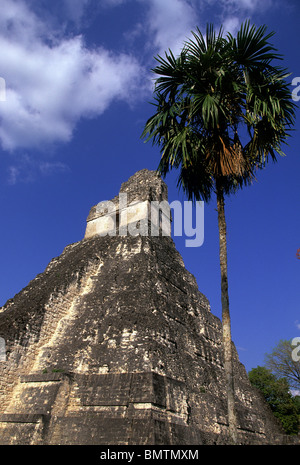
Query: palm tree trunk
x,y
226,324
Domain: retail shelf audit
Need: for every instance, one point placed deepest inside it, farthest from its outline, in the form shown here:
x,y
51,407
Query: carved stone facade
x,y
114,344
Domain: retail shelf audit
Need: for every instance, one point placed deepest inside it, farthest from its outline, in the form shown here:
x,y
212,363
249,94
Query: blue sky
x,y
78,87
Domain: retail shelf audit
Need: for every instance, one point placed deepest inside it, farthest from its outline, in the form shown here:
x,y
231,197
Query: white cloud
x,y
241,6
27,169
170,23
295,392
232,13
47,168
52,82
113,2
13,174
231,24
250,5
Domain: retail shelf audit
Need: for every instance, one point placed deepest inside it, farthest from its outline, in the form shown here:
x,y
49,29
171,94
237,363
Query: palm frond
x,y
251,47
203,97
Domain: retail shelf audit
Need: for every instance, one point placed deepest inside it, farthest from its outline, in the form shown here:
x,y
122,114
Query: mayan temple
x,y
114,344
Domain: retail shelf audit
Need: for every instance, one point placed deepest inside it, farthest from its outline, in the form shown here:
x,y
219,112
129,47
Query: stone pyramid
x,y
114,344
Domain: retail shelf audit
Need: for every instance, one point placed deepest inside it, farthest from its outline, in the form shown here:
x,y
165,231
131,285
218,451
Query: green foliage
x,y
276,392
222,108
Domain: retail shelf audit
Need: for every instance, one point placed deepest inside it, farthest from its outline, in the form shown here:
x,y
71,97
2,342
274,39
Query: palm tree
x,y
222,110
